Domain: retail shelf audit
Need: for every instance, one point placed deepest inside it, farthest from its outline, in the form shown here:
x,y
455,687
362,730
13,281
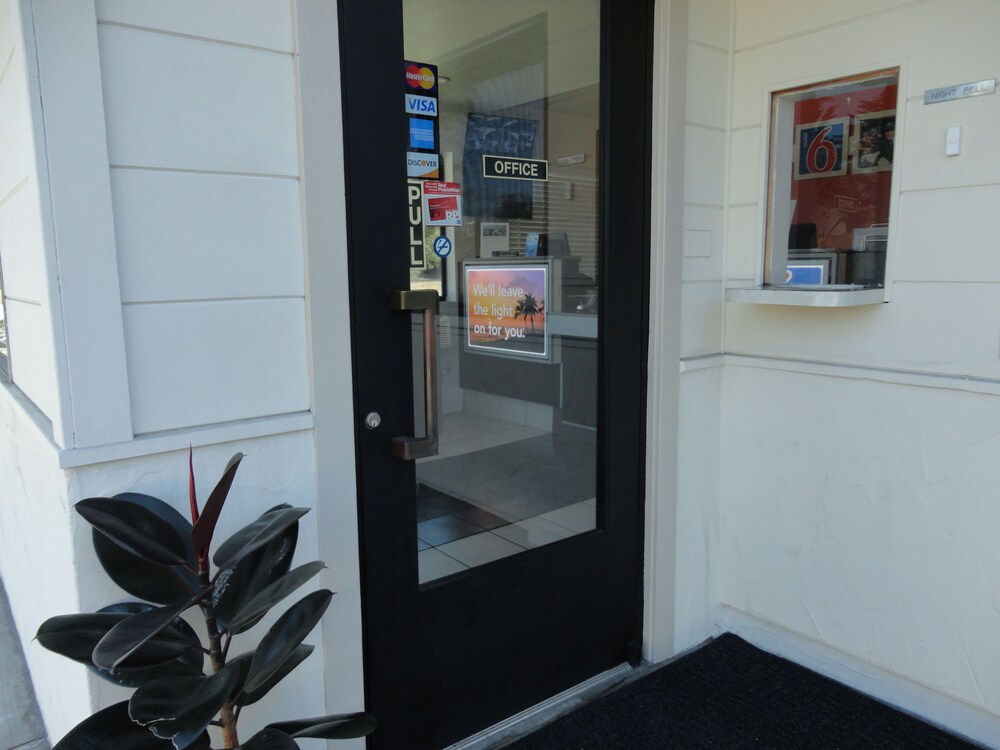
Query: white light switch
x,y
953,142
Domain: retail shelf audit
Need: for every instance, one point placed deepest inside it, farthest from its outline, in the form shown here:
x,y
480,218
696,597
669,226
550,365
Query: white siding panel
x,y
708,74
701,313
184,236
925,36
703,243
758,22
923,141
709,22
934,327
745,164
930,247
186,104
21,248
31,354
743,241
704,166
206,362
261,23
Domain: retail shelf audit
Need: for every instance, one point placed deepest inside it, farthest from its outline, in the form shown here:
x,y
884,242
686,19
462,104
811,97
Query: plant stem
x,y
226,715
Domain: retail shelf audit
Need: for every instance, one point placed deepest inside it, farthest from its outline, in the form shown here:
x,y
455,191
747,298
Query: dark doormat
x,y
731,695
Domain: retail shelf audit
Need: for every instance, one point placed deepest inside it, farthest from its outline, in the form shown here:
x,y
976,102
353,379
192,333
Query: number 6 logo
x,y
819,150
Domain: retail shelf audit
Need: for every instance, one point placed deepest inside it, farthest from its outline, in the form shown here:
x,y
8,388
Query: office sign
x,y
513,168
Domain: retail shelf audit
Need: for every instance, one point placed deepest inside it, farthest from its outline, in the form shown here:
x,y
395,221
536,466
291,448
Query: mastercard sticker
x,y
420,78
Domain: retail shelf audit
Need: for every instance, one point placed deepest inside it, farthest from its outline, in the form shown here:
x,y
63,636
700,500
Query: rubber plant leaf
x,y
173,651
254,536
254,572
270,739
204,529
254,609
335,727
299,655
136,528
141,578
113,728
128,636
285,636
181,708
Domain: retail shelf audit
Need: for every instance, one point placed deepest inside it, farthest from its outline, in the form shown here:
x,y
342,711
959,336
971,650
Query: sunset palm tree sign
x,y
527,308
505,309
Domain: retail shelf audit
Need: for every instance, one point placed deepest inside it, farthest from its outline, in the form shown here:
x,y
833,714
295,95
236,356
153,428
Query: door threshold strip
x,y
536,716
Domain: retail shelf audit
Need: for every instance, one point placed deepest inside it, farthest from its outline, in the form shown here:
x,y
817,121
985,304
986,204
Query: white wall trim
x,y
670,30
316,33
78,219
915,378
930,705
174,440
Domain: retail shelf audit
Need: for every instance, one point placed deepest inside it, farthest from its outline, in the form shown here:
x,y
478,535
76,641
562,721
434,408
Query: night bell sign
x,y
513,168
961,91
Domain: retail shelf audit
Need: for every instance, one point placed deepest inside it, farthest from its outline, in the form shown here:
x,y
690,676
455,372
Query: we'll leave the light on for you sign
x,y
505,309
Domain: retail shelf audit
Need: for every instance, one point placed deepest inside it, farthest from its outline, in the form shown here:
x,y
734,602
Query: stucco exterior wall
x,y
859,446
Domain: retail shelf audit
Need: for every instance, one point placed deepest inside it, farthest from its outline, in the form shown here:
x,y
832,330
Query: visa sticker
x,y
421,105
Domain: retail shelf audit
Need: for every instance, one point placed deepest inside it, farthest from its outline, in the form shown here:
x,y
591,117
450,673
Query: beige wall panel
x,y
199,363
184,236
260,23
184,104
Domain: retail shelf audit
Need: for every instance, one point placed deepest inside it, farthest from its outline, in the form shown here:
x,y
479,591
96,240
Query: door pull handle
x,y
426,300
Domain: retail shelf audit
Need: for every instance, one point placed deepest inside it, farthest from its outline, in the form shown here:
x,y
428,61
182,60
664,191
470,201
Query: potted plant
x,y
154,553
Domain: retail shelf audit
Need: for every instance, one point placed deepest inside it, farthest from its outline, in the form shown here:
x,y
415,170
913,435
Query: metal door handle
x,y
411,448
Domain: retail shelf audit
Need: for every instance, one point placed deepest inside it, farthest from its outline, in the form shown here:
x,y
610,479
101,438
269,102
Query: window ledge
x,y
828,295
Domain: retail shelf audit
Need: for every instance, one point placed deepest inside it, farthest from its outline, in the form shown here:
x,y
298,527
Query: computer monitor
x,y
551,244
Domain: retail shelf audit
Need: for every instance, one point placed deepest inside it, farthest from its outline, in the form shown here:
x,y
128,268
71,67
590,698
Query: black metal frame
x,y
447,659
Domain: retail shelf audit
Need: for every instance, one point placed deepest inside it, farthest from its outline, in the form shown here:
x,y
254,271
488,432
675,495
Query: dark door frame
x,y
611,600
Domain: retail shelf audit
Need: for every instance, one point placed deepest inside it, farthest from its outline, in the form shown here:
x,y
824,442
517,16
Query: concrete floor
x,y
21,726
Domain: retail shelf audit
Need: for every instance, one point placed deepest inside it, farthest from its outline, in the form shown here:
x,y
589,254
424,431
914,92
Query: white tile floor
x,y
465,432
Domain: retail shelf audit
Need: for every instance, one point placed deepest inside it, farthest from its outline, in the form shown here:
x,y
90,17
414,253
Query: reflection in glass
x,y
517,339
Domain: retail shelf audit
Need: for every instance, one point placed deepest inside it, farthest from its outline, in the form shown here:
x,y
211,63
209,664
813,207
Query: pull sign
x,y
513,168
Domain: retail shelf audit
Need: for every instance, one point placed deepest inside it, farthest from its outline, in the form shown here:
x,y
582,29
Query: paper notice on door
x,y
442,204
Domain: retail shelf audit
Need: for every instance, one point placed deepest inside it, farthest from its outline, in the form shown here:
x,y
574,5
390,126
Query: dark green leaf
x,y
262,531
147,580
285,635
181,708
297,656
138,529
125,638
113,729
251,612
205,528
254,572
337,727
270,739
175,650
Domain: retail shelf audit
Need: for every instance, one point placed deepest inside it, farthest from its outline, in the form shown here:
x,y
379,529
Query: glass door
x,y
499,305
503,122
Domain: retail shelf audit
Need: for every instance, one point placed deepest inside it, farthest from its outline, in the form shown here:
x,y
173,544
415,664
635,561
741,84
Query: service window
x,y
829,183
